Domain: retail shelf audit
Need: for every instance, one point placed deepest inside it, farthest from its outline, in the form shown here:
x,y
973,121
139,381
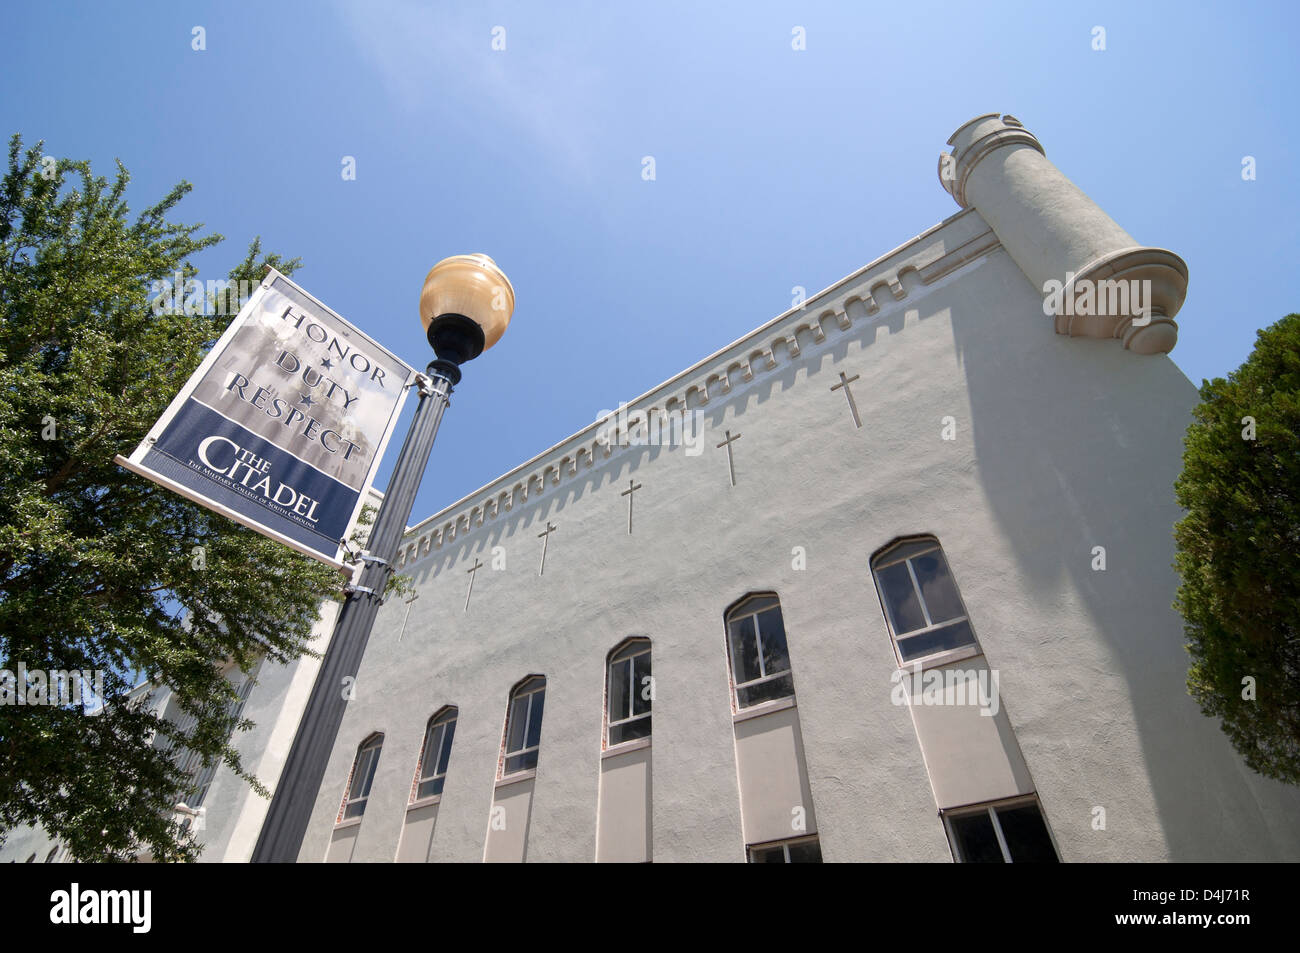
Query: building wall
x,y
233,812
1061,444
624,827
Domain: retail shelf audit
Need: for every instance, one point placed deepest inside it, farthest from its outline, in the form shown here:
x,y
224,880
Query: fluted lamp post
x,y
465,306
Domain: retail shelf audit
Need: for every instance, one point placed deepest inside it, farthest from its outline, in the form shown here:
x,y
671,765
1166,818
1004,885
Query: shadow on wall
x,y
610,474
1103,458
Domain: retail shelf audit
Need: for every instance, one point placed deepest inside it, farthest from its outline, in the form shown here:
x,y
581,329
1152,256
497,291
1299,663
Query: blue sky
x,y
774,167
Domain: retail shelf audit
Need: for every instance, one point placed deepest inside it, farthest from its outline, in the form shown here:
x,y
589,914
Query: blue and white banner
x,y
283,425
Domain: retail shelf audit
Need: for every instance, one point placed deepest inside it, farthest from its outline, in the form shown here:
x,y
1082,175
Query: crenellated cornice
x,y
822,319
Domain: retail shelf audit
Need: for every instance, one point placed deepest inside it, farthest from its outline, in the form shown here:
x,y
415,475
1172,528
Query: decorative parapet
x,y
823,318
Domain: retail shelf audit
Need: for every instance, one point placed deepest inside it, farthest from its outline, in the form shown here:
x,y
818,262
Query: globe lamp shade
x,y
465,306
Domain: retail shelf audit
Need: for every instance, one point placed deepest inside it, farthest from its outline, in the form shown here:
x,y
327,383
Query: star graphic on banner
x,y
326,362
306,399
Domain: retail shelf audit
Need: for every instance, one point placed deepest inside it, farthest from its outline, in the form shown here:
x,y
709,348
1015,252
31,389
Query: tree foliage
x,y
1239,552
95,561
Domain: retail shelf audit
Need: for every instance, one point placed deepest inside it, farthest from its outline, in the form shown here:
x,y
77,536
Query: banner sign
x,y
283,425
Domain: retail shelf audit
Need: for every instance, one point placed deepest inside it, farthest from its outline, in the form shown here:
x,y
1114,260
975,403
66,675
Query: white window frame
x,y
784,845
992,808
886,559
375,743
447,716
515,695
634,648
734,616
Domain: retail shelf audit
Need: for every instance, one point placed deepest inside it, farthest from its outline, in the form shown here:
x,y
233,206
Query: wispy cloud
x,y
551,95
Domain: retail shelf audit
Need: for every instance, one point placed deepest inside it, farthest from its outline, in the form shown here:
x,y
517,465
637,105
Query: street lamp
x,y
465,307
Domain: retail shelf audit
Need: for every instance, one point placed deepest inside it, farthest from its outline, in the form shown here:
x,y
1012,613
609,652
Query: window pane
x,y
450,728
535,720
641,684
361,777
744,650
629,731
809,852
521,762
518,722
900,597
355,809
627,651
358,775
429,788
904,550
1026,835
370,770
939,640
428,762
619,675
767,855
771,634
755,604
976,841
937,587
766,691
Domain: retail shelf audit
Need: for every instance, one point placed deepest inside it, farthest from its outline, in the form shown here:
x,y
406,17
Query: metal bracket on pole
x,y
365,557
351,588
425,383
351,565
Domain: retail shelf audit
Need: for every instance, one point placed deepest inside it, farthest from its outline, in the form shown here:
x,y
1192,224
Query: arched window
x,y
432,769
760,661
54,852
524,725
363,775
629,692
925,613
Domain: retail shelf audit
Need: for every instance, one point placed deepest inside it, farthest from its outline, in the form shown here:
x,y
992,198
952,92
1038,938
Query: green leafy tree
x,y
96,562
1239,552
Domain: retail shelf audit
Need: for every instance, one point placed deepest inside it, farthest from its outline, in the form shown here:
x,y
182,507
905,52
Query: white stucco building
x,y
921,423
730,649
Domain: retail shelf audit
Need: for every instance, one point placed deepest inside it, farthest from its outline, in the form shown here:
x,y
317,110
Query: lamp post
x,y
465,306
